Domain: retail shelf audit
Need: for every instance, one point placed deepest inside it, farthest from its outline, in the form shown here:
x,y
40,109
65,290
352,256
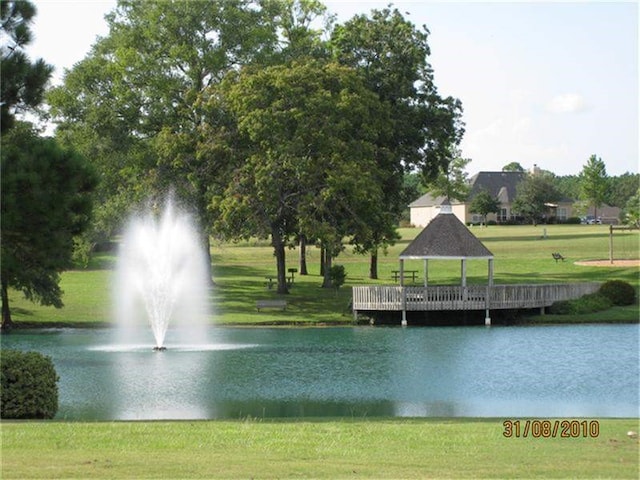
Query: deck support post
x,y
404,307
487,300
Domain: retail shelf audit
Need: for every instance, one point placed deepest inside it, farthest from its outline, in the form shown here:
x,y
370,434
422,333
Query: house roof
x,y
446,237
428,200
502,185
498,184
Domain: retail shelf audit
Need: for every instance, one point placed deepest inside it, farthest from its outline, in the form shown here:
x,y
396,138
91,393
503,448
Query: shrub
x,y
573,221
593,302
29,385
562,307
338,276
618,292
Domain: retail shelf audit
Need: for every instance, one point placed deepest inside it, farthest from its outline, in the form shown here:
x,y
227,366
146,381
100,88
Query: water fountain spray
x,y
161,272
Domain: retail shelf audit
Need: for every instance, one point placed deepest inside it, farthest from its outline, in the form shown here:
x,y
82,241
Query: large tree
x,y
306,161
391,54
22,82
46,202
593,183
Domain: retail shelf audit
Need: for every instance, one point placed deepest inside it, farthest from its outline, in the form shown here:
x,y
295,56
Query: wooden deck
x,y
472,297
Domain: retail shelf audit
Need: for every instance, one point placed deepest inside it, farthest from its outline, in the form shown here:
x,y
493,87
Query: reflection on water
x,y
551,371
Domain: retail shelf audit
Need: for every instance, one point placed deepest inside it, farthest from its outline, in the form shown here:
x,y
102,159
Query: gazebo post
x,y
463,271
426,272
404,294
463,274
487,318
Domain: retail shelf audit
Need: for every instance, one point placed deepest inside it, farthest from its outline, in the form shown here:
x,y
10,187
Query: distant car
x,y
591,220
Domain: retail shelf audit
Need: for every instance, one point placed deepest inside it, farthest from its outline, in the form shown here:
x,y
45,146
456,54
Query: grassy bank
x,y
522,255
411,448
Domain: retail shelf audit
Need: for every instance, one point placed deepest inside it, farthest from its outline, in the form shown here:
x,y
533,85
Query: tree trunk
x,y
205,239
326,260
322,255
303,255
373,265
7,323
281,264
206,245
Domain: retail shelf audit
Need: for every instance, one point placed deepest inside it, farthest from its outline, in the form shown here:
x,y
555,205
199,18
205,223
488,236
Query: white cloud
x,y
567,103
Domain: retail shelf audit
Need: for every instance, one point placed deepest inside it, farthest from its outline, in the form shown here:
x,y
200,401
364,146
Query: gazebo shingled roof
x,y
446,237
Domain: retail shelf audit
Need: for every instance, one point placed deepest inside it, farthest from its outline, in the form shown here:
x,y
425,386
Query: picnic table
x,y
272,279
407,274
292,272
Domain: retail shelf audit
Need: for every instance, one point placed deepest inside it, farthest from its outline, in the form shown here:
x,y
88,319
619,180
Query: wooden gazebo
x,y
446,238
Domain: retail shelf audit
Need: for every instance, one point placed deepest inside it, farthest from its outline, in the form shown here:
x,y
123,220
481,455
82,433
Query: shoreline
x,y
522,321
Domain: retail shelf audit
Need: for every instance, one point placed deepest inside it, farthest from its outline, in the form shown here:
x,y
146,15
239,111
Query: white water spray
x,y
162,275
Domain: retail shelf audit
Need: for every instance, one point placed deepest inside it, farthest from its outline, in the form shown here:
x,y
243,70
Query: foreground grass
x,y
522,255
412,448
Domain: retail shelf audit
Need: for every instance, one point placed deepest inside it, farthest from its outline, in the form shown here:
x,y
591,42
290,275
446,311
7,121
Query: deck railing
x,y
472,297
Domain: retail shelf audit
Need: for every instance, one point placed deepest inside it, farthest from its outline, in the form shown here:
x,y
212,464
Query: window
x,y
562,213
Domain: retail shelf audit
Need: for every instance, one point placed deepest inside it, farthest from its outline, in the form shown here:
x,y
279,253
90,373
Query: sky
x,y
544,83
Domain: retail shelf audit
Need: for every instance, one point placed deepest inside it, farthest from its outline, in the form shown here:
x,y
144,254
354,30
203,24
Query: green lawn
x,y
406,448
521,256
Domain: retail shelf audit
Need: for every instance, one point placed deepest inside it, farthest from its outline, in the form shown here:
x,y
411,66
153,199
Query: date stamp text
x,y
551,428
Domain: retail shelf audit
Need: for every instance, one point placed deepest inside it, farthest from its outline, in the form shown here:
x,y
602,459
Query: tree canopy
x,y
391,55
534,194
593,182
22,82
46,201
309,132
452,183
484,204
513,167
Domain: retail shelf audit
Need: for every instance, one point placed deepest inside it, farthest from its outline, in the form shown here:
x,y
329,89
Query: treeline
x,y
618,191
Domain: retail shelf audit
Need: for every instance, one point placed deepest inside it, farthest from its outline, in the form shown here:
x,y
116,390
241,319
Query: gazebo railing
x,y
471,297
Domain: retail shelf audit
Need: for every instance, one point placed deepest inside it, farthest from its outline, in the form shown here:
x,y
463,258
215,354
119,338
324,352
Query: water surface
x,y
543,371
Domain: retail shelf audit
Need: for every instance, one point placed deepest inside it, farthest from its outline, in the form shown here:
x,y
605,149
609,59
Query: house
x,y
500,185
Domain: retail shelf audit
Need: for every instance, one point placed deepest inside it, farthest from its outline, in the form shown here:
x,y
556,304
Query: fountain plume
x,y
162,273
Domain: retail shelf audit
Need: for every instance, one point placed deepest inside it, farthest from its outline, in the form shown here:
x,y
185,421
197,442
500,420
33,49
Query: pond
x,y
540,371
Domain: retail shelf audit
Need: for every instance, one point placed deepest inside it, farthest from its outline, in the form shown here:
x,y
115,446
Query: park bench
x,y
271,304
556,256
